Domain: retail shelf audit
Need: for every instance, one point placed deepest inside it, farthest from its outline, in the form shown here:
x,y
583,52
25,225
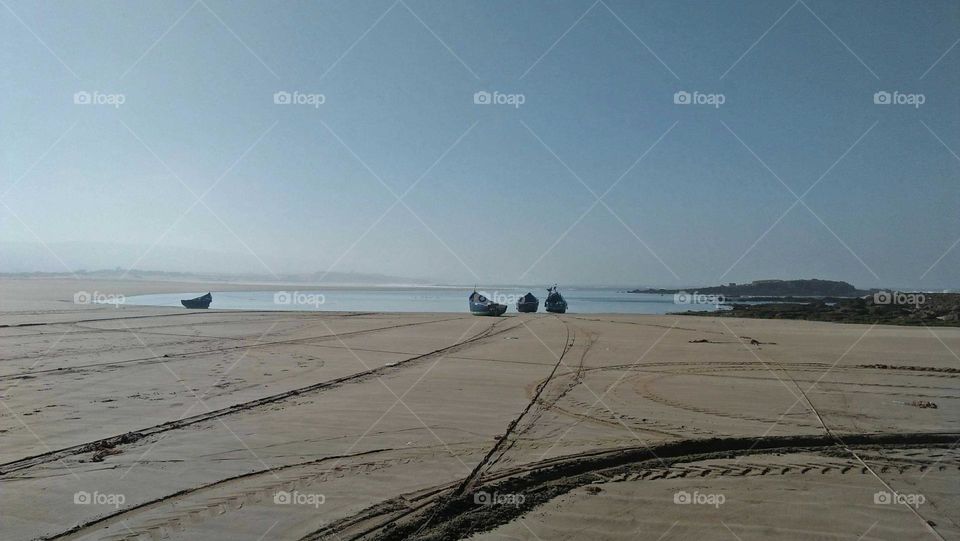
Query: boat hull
x,y
556,308
528,307
202,301
492,309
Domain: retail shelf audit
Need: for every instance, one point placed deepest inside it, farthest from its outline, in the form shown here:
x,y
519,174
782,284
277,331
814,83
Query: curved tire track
x,y
460,516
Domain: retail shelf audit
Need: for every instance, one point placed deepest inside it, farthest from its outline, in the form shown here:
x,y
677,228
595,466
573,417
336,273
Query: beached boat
x,y
528,303
482,306
555,302
203,301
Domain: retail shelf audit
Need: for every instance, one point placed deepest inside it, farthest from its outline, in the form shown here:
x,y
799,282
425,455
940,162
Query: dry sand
x,y
189,425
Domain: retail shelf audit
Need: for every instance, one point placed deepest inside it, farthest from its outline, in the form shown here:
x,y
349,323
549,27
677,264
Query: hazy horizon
x,y
485,143
330,278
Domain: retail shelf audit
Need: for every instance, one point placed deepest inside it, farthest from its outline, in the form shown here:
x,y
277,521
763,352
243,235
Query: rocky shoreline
x,y
926,309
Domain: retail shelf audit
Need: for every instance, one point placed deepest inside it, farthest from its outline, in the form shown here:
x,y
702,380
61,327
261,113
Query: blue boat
x,y
555,302
528,303
482,306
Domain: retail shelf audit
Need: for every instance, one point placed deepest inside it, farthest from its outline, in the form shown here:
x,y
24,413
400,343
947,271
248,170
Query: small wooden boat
x,y
555,302
203,301
482,306
528,303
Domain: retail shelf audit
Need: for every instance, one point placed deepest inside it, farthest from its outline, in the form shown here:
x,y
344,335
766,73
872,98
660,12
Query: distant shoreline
x,y
772,288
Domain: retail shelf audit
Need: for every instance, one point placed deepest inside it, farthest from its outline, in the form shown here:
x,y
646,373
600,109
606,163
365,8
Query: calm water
x,y
583,301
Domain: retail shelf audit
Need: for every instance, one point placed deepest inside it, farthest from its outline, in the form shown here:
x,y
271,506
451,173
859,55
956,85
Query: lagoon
x,y
421,299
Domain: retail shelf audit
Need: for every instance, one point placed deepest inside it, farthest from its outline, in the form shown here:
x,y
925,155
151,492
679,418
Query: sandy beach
x,y
125,422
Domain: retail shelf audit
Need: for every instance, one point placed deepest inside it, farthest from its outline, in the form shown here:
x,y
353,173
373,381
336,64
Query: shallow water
x,y
423,299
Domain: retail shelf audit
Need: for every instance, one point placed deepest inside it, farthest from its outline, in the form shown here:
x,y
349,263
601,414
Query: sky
x,y
157,127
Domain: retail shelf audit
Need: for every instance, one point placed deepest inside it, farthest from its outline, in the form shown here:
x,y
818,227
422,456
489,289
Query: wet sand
x,y
180,424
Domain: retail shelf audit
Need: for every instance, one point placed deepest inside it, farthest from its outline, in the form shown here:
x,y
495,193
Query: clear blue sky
x,y
299,185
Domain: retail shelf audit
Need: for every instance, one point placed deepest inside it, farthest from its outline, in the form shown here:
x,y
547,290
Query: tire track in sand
x,y
136,435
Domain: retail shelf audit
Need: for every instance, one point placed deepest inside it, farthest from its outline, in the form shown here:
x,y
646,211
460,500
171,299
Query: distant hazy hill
x,y
64,259
774,288
342,278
